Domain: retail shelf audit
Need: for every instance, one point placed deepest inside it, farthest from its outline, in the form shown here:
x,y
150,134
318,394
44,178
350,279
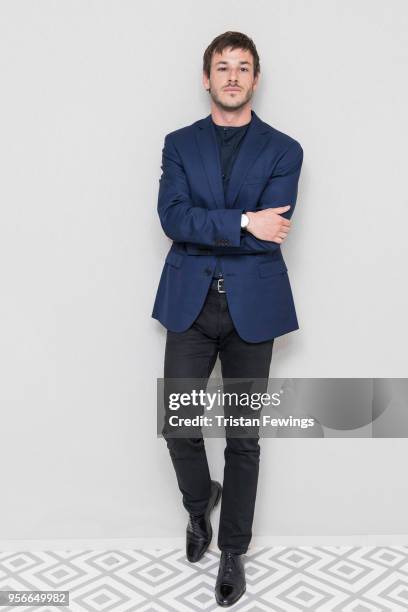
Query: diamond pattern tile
x,y
279,579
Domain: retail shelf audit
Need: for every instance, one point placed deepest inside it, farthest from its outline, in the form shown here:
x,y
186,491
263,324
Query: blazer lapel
x,y
207,143
252,145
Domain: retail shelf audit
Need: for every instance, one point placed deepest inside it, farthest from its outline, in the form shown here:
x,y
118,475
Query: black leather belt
x,y
218,285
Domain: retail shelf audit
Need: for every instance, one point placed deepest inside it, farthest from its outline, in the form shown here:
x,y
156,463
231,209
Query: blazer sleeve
x,y
180,219
281,190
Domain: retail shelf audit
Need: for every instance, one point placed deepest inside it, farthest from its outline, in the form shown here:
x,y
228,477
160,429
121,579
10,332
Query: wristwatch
x,y
244,220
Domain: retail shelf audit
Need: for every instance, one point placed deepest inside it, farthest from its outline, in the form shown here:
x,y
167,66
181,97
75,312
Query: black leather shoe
x,y
199,530
230,585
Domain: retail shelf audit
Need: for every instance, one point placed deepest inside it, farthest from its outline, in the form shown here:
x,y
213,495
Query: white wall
x,y
89,89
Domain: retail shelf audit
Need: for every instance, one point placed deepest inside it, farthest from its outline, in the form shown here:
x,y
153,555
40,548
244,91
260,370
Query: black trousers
x,y
192,354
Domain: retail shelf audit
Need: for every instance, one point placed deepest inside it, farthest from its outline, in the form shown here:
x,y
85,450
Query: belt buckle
x,y
220,288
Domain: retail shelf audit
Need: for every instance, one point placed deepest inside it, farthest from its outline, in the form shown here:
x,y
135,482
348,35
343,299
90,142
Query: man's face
x,y
231,81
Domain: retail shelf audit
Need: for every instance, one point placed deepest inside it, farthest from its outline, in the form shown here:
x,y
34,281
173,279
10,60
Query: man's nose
x,y
233,74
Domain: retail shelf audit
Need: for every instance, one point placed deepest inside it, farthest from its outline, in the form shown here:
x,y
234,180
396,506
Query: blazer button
x,y
208,271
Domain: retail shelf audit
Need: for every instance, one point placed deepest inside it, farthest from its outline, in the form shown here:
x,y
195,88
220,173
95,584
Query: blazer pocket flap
x,y
253,180
174,259
269,268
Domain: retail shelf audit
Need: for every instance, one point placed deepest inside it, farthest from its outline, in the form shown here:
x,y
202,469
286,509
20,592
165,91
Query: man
x,y
227,191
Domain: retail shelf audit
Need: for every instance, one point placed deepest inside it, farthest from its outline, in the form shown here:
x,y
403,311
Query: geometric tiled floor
x,y
279,579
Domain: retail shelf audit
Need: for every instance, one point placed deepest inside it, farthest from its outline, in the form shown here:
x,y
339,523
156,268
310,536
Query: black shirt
x,y
229,139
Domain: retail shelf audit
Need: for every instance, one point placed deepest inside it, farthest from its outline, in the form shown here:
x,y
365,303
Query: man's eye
x,y
246,69
221,68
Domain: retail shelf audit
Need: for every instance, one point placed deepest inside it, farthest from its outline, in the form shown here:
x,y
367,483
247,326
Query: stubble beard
x,y
233,105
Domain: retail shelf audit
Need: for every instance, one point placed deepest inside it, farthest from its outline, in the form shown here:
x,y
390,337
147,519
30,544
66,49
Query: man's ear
x,y
206,81
256,80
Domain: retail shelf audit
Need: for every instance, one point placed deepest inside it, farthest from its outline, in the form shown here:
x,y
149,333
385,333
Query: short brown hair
x,y
235,40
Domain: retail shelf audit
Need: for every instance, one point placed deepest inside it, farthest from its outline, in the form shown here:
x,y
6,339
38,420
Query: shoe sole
x,y
207,515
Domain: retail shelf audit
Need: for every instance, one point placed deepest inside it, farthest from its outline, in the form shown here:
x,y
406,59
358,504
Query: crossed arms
x,y
220,229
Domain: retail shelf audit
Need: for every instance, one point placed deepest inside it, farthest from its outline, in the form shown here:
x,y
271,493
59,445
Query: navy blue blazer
x,y
202,223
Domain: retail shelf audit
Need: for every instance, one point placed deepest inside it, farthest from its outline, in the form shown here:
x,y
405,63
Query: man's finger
x,y
281,209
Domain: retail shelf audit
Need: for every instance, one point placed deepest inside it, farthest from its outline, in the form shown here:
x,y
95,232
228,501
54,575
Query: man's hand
x,y
268,224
